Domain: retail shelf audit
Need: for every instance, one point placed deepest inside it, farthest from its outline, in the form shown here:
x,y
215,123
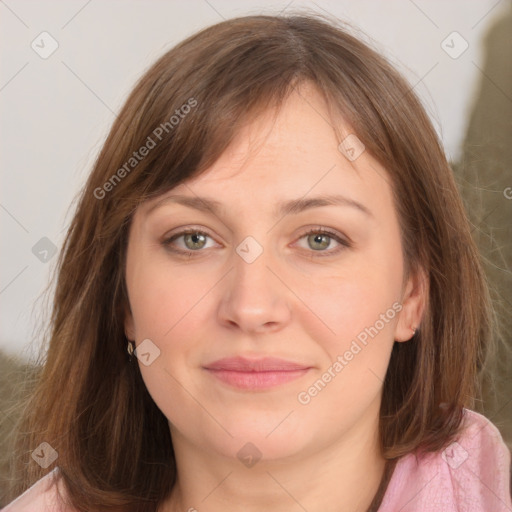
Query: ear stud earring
x,y
131,347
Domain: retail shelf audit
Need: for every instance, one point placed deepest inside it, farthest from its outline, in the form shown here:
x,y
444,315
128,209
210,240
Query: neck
x,y
347,475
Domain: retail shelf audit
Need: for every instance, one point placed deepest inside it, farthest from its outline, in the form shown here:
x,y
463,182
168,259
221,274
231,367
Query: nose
x,y
254,299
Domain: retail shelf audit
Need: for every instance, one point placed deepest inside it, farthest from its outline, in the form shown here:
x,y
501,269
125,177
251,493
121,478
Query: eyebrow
x,y
290,207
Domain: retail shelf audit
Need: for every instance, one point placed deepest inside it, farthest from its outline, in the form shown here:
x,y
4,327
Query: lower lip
x,y
257,380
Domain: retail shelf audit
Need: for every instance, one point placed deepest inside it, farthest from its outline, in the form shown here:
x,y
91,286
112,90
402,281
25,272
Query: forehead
x,y
290,154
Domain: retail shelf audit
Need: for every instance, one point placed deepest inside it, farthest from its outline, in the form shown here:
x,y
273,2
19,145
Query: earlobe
x,y
413,306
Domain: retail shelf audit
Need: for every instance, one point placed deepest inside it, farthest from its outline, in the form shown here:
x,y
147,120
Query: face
x,y
271,320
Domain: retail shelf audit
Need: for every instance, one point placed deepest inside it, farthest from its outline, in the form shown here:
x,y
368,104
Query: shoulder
x,y
471,474
44,496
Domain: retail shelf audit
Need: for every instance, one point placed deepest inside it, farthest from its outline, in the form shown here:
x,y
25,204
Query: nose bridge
x,y
252,279
254,297
251,262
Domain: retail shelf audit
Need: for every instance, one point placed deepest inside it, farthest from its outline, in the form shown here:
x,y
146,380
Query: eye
x,y
193,239
319,239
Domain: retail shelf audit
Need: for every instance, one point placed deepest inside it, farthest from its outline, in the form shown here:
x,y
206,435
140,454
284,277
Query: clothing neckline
x,y
384,483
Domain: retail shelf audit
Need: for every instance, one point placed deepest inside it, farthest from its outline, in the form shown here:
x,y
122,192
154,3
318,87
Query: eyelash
x,y
344,244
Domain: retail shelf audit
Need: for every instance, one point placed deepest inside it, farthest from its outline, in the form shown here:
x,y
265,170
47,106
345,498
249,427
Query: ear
x,y
129,324
413,305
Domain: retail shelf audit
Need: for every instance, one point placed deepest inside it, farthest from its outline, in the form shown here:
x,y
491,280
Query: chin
x,y
266,439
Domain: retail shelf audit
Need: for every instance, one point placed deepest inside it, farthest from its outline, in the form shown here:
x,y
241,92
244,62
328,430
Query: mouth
x,y
256,374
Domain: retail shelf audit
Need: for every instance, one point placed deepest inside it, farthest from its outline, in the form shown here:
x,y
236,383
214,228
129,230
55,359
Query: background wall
x,y
68,66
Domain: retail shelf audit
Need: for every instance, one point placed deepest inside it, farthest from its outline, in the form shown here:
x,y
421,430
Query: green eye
x,y
321,241
191,241
194,240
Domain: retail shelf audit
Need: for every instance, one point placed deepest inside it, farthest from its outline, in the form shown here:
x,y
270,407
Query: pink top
x,y
470,475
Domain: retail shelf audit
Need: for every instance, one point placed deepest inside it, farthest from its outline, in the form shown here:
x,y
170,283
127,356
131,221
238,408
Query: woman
x,y
268,298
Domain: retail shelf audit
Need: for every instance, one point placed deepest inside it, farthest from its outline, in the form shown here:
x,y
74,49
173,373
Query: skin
x,y
290,302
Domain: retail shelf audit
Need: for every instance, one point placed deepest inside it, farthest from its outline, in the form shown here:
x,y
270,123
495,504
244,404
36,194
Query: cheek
x,y
168,306
363,319
163,297
358,301
169,311
362,310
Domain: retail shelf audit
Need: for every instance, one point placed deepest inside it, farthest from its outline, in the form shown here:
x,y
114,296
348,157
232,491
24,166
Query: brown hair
x,y
91,404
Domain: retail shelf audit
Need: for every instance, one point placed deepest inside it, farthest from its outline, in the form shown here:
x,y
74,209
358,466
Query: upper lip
x,y
263,364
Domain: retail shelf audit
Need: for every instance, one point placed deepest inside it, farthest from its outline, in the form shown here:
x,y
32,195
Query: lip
x,y
256,374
